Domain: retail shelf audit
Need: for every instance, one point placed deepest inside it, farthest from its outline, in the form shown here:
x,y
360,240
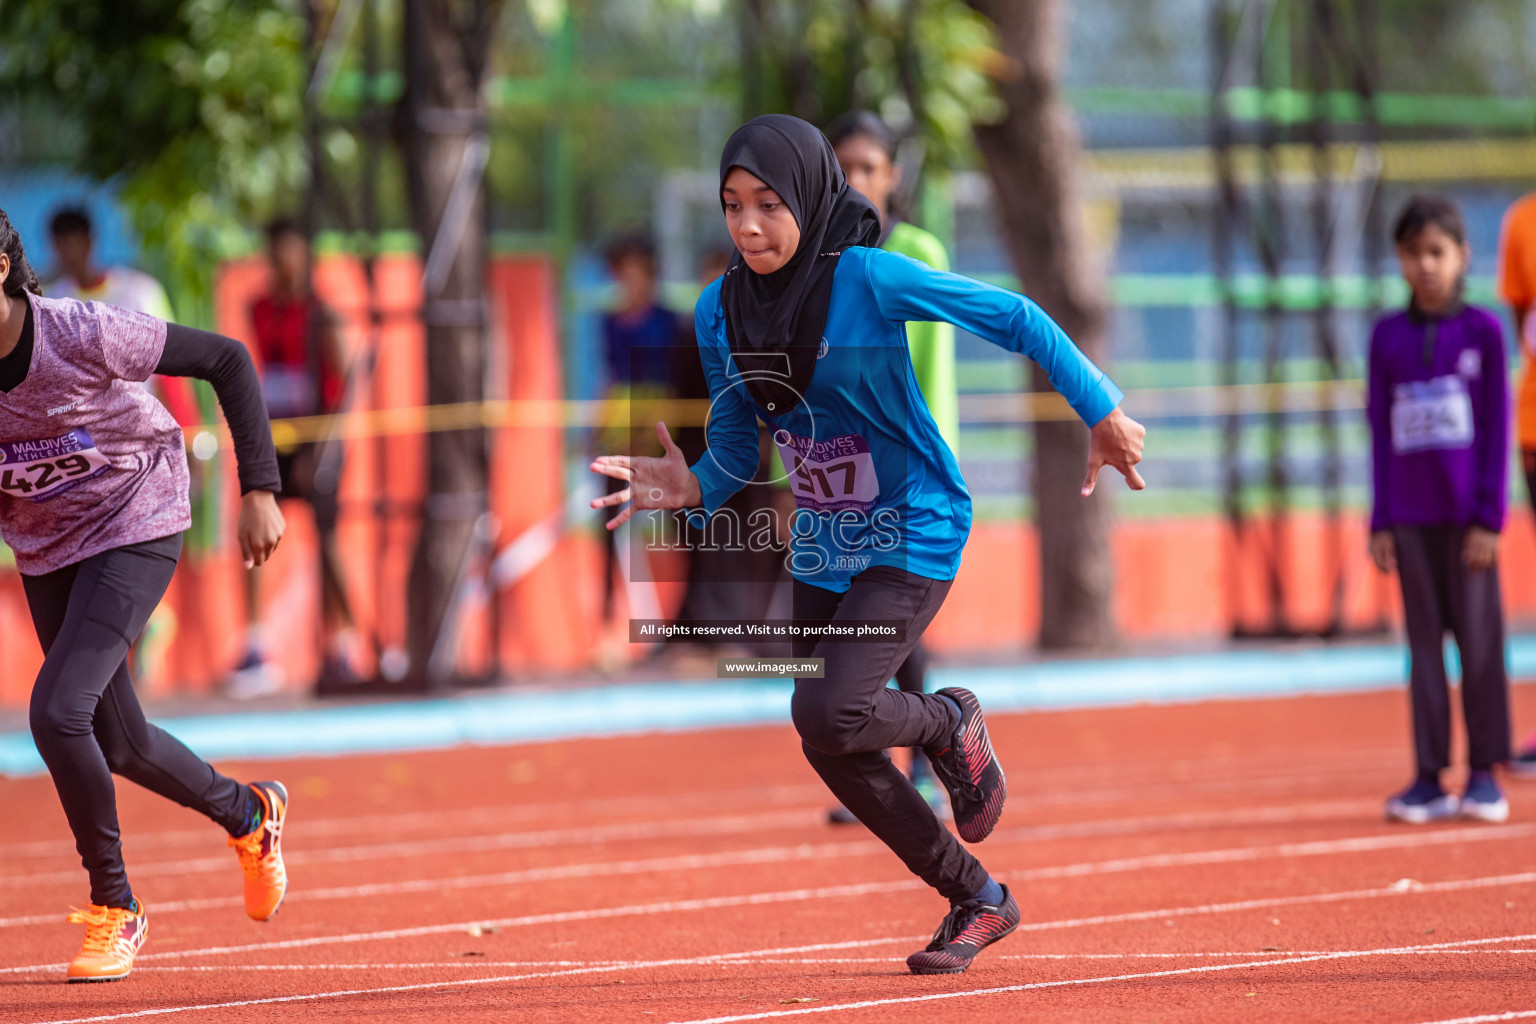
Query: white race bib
x,y
830,475
39,470
1431,414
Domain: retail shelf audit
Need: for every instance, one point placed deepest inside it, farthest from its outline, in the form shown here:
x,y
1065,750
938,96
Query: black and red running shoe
x,y
968,928
970,770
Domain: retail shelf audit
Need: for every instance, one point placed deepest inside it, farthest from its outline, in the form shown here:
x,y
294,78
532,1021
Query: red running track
x,y
1190,863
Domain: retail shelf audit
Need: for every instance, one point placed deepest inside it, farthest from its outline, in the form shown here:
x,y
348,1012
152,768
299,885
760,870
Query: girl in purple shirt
x,y
93,502
1439,411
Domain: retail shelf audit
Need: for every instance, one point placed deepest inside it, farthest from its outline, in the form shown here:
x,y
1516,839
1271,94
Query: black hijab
x,y
769,317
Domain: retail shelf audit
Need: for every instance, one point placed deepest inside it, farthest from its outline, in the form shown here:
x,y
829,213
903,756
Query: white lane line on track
x,y
1324,811
627,831
685,862
711,958
1459,885
1320,810
1317,848
745,961
494,817
561,917
689,961
422,986
1067,983
1042,798
428,965
1489,1018
1108,956
829,892
1314,811
1317,811
868,847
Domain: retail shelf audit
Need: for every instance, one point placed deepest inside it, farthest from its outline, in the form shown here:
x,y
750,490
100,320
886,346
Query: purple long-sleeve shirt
x,y
1438,405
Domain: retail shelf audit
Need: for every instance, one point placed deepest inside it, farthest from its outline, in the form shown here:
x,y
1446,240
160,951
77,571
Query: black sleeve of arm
x,y
224,363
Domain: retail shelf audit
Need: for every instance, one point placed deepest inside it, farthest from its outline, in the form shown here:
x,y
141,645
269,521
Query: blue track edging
x,y
518,716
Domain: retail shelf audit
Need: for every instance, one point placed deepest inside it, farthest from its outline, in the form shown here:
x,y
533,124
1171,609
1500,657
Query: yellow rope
x,y
641,414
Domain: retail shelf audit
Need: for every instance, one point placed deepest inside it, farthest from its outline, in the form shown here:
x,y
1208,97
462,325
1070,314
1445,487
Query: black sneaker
x,y
970,770
967,929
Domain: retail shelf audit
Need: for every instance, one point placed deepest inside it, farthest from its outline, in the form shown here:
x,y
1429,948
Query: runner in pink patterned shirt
x,y
93,501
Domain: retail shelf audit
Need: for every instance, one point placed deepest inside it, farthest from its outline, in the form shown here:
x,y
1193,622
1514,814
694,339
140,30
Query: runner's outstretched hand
x,y
666,482
1116,441
261,527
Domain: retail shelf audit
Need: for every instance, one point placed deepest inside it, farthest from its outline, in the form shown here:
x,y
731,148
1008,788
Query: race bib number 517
x,y
830,475
39,470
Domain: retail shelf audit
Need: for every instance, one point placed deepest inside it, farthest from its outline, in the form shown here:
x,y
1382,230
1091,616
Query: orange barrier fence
x,y
1171,585
1172,574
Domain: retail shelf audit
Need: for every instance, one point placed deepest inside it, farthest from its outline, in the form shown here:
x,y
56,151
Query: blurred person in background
x,y
303,373
79,277
866,151
639,336
722,583
191,402
1438,406
1517,287
687,370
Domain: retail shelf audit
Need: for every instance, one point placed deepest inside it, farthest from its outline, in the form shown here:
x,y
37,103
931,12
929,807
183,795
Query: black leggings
x,y
913,674
913,678
86,720
847,719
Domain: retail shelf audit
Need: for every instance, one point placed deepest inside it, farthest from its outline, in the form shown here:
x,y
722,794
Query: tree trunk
x,y
446,44
1032,157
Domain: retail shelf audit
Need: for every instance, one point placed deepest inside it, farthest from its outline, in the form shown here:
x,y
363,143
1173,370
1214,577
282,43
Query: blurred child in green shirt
x,y
866,149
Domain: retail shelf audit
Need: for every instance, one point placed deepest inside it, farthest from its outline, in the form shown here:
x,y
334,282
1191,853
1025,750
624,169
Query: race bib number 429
x,y
1431,414
830,475
39,470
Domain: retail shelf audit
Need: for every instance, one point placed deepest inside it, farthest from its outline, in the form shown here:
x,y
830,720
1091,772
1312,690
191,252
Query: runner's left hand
x,y
1116,441
666,482
1480,549
261,527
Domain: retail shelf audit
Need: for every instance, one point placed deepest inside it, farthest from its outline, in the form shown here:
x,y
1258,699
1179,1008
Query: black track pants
x,y
913,674
848,719
85,718
913,678
1439,594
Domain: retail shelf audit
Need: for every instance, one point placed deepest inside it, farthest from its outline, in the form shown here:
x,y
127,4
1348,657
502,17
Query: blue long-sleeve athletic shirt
x,y
874,482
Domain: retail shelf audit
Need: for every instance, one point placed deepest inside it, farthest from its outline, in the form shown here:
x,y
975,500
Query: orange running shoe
x,y
112,939
261,854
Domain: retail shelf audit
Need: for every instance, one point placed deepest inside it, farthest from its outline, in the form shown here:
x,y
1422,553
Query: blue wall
x,y
30,197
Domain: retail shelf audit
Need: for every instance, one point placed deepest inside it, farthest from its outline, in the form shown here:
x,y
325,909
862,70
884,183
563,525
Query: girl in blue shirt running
x,y
806,331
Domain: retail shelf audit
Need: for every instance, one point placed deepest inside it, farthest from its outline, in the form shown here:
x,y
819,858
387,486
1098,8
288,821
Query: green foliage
x,y
1422,46
594,101
193,106
1451,46
924,65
